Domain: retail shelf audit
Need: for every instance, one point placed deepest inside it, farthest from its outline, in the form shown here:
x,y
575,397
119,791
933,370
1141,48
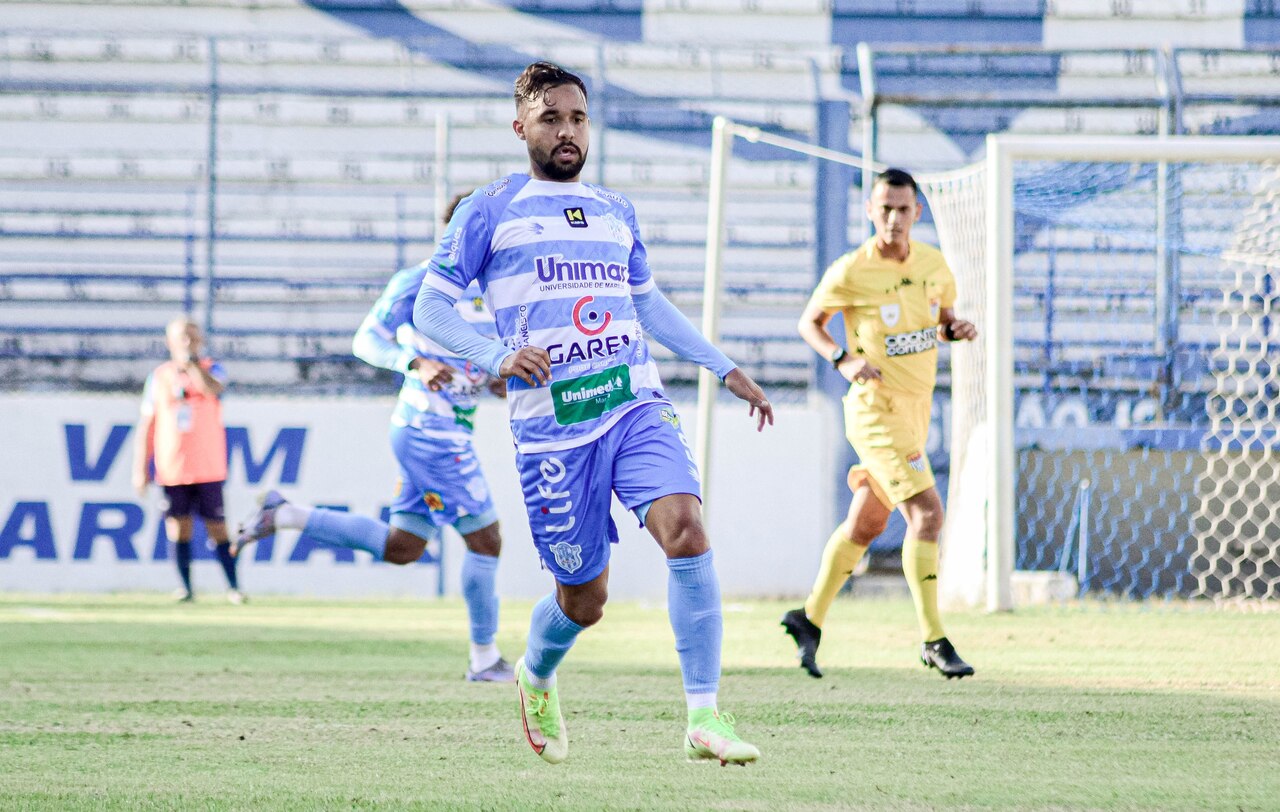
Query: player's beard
x,y
559,171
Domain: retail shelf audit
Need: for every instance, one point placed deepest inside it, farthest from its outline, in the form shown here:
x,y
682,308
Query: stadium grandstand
x,y
266,166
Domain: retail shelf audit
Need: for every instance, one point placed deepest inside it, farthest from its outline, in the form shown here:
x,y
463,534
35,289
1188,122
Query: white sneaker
x,y
236,598
259,524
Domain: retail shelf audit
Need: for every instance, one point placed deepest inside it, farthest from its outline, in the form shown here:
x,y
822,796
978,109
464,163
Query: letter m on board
x,y
288,444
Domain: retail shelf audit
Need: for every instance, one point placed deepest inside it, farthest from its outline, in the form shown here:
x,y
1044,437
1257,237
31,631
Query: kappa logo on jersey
x,y
916,462
890,314
577,218
590,321
568,556
553,472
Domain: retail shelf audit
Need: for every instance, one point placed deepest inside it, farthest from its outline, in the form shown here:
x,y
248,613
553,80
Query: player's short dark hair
x,y
896,177
540,77
453,206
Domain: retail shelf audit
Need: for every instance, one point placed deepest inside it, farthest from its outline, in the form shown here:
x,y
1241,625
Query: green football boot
x,y
540,714
710,736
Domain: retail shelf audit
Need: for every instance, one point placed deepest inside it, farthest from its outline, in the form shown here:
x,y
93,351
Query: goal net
x,y
1114,430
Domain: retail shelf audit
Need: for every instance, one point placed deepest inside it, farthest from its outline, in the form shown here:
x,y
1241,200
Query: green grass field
x,y
131,702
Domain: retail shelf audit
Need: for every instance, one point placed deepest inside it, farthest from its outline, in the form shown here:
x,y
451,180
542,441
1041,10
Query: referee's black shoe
x,y
940,654
807,637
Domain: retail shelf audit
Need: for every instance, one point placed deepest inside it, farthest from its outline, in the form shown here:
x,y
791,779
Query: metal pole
x,y
211,191
708,385
600,131
999,384
867,79
442,169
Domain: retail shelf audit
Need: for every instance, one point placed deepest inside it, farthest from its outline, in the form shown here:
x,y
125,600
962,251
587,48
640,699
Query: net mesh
x,y
1145,390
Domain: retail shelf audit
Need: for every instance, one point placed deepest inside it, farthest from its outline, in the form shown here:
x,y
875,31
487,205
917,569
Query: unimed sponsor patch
x,y
581,399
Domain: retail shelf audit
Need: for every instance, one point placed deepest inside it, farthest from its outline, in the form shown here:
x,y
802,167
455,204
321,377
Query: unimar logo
x,y
555,268
576,217
589,320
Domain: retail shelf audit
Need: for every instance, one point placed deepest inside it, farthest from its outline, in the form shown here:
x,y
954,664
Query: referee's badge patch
x,y
889,314
568,556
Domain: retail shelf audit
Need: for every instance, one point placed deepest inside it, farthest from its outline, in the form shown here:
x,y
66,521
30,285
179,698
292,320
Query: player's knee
x,y
486,541
685,539
403,547
927,523
863,531
585,610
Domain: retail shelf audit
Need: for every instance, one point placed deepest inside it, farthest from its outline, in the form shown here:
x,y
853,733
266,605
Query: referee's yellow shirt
x,y
891,310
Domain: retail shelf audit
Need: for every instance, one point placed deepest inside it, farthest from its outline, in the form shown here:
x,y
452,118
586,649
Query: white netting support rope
x,y
958,203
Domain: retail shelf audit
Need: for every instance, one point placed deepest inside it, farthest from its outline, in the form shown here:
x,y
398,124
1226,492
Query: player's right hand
x,y
530,364
433,374
858,370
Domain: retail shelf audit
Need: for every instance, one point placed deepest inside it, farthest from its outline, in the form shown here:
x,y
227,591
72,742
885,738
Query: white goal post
x,y
1003,151
974,211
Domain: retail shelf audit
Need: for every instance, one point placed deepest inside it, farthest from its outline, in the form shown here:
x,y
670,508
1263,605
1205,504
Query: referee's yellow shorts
x,y
888,431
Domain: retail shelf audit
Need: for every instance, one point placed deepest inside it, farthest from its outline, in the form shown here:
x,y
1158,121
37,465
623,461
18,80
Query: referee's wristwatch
x,y
837,355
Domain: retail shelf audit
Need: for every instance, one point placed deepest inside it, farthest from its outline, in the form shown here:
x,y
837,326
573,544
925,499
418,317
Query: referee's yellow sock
x,y
838,560
920,565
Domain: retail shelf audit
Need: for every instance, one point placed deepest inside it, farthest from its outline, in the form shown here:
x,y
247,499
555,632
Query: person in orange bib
x,y
897,298
182,432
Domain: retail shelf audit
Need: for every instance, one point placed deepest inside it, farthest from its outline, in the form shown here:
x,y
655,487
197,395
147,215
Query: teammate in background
x,y
897,298
440,478
181,430
562,264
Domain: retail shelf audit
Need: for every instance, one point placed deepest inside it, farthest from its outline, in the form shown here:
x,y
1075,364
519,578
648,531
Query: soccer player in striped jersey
x,y
440,478
563,267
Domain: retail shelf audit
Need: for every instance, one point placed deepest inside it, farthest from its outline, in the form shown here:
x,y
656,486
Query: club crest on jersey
x,y
890,313
577,218
934,307
589,320
916,462
671,417
568,556
433,500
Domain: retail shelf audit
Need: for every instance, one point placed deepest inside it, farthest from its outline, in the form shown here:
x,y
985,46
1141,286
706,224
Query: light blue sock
x,y
478,575
350,530
693,603
551,635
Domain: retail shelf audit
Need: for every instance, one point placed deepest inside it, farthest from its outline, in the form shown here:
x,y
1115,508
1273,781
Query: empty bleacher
x,y
324,117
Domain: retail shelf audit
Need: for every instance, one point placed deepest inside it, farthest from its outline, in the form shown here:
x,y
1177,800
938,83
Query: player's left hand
x,y
741,385
960,330
498,387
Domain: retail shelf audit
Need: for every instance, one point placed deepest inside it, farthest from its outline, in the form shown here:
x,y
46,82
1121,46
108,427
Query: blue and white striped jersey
x,y
388,339
558,263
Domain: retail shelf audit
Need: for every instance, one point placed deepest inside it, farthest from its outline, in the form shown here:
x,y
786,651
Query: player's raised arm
x,y
668,325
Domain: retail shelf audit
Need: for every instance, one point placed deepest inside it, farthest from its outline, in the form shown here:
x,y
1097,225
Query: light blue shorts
x,y
567,493
440,484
